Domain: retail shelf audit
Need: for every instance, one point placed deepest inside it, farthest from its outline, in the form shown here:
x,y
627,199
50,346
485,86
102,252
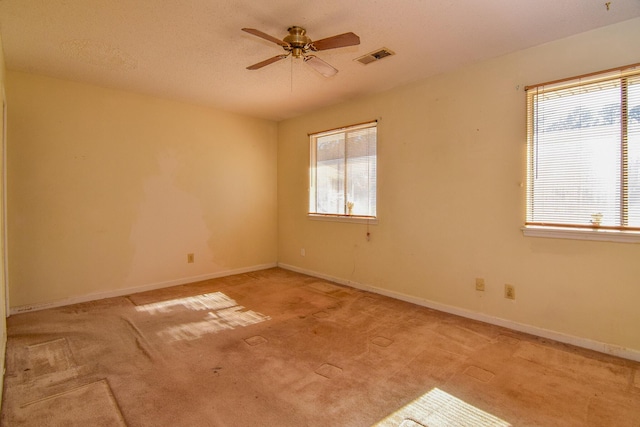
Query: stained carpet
x,y
277,348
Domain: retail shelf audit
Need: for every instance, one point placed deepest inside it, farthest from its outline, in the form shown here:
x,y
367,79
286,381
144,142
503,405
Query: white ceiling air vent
x,y
374,56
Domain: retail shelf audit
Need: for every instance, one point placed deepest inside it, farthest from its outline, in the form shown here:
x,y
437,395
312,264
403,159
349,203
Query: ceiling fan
x,y
298,45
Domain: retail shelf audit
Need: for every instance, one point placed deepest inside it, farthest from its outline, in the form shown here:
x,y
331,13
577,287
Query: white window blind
x,y
583,139
343,171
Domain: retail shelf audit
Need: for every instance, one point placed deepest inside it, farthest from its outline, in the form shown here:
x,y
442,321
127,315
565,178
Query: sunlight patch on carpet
x,y
223,313
212,301
438,408
214,322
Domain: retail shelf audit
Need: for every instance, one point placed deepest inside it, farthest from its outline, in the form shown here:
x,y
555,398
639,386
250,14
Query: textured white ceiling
x,y
195,51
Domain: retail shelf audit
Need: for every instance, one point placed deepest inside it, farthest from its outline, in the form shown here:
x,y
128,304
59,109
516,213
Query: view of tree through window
x,y
343,172
584,154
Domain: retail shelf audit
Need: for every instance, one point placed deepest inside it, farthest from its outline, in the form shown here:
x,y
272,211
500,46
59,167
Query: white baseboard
x,y
128,291
601,347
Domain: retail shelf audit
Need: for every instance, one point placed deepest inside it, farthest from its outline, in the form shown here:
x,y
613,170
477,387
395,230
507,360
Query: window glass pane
x,y
576,167
361,171
330,163
633,112
343,171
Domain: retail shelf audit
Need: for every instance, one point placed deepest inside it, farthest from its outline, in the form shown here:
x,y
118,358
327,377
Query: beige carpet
x,y
276,348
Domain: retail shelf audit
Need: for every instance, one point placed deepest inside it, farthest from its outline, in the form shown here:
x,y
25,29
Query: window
x,y
343,172
583,140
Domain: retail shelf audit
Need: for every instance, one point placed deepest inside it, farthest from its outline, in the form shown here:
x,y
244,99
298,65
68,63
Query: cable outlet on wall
x,y
479,284
190,259
509,291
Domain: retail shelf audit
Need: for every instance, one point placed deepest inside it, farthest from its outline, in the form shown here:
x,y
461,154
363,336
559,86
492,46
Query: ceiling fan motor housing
x,y
298,41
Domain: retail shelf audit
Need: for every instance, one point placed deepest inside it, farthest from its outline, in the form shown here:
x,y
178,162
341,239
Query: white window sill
x,y
582,234
354,219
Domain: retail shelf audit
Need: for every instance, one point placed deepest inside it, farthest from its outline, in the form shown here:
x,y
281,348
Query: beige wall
x,y
110,190
451,202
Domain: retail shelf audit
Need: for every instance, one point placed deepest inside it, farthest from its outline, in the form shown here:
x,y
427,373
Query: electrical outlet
x,y
479,284
190,258
303,252
509,291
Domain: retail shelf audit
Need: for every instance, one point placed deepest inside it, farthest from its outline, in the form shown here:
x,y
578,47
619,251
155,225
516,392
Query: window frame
x,y
312,188
619,233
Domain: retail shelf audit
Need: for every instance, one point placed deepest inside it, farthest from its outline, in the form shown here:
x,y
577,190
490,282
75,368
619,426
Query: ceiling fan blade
x,y
320,66
265,36
341,40
266,62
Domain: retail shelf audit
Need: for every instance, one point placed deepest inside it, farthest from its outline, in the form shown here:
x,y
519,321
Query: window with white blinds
x,y
583,139
343,171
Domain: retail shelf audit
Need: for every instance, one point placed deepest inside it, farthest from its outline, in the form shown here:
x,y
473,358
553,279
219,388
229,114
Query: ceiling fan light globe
x,y
320,66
